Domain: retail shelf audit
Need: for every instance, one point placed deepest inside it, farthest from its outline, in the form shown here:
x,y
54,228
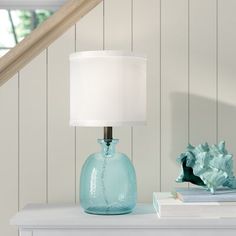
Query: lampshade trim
x,y
102,123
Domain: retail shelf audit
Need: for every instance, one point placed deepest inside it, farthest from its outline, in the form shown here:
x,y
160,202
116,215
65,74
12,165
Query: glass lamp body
x,y
108,182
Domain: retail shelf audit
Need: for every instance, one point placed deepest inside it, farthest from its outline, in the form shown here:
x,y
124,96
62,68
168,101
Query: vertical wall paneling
x,y
32,126
226,74
8,155
117,33
61,137
89,36
174,90
190,45
146,140
202,71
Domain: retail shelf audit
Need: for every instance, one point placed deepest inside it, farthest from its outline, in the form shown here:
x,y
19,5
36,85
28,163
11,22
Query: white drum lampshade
x,y
107,88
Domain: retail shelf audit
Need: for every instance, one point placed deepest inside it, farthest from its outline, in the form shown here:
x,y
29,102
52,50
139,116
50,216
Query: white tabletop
x,y
72,216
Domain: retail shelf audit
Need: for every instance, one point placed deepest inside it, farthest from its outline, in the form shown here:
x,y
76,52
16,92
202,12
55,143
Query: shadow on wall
x,y
205,123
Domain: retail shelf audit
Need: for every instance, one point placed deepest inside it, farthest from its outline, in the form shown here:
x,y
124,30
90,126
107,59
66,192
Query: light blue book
x,y
202,195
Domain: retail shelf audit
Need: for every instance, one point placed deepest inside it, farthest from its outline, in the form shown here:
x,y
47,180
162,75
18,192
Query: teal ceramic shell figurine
x,y
207,166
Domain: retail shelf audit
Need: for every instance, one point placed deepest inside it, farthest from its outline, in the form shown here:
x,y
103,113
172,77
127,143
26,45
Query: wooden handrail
x,y
43,36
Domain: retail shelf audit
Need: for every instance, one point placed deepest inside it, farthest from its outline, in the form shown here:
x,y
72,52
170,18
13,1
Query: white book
x,y
166,205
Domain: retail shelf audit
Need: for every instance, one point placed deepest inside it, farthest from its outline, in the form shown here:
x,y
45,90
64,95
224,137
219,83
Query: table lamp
x,y
107,89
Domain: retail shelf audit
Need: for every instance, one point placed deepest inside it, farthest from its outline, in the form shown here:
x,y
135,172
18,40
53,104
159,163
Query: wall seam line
x,y
132,49
46,125
103,25
18,143
189,71
75,130
188,75
160,168
217,71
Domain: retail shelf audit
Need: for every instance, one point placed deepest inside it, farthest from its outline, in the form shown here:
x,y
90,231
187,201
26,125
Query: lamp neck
x,y
108,143
108,147
108,134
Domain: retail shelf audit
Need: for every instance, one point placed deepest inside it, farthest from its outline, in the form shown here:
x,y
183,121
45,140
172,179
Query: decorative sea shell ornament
x,y
207,166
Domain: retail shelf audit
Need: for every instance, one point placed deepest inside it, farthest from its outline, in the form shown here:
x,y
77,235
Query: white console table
x,y
70,220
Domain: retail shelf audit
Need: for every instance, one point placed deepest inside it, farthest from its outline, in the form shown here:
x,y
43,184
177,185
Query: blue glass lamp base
x,y
108,182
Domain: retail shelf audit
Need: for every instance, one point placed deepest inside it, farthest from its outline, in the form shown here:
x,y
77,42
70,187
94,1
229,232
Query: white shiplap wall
x,y
191,51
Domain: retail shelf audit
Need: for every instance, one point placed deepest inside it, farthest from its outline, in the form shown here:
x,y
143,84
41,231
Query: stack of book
x,y
195,202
